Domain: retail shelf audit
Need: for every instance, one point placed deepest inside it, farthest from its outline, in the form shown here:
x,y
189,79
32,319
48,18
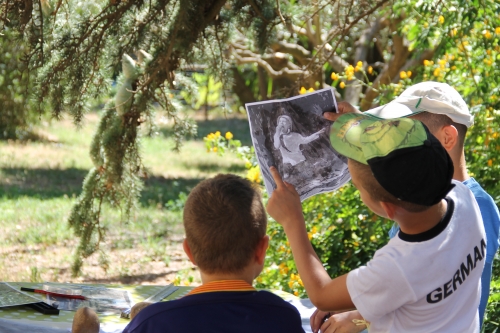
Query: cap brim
x,y
392,110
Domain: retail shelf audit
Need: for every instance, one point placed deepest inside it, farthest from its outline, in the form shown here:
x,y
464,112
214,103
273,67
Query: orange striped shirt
x,y
223,285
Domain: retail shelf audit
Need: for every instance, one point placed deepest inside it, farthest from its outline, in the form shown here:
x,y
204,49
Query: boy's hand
x,y
284,205
317,319
343,107
343,323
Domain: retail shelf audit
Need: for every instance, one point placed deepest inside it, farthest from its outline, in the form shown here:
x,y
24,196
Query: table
x,y
20,319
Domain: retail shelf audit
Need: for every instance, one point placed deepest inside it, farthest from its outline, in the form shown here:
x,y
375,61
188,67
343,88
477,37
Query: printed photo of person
x,y
292,135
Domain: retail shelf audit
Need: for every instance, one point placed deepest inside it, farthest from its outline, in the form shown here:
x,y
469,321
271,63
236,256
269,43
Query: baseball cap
x,y
430,96
405,158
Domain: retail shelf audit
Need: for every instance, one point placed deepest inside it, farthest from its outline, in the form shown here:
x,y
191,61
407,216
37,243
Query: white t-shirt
x,y
428,282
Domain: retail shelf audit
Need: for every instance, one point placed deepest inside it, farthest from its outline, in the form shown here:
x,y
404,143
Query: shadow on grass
x,y
238,126
53,183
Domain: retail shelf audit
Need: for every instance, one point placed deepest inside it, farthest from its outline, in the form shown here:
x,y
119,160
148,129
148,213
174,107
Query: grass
x,y
39,181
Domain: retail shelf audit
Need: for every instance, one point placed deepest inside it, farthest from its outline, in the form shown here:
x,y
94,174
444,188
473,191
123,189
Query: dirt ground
x,y
125,266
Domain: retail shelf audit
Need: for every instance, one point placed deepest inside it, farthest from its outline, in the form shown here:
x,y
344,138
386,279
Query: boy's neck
x,y
416,223
460,172
247,275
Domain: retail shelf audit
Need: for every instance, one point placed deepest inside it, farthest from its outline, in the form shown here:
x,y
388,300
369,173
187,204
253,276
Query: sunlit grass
x,y
40,181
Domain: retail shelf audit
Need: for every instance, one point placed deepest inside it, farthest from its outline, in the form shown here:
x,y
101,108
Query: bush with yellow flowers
x,y
340,79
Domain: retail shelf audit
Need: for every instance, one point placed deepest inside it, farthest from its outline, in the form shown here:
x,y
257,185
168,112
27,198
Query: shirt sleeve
x,y
379,288
491,220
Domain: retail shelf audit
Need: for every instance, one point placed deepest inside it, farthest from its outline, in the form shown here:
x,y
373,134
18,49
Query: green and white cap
x,y
405,158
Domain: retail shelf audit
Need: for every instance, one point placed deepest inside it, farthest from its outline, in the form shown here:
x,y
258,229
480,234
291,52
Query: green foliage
x,y
16,114
209,91
492,315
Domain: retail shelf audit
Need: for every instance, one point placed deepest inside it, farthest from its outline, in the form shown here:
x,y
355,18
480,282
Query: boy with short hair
x,y
441,108
428,278
225,224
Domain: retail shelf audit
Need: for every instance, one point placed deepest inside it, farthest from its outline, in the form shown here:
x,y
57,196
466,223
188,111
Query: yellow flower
x,y
402,75
211,136
320,216
487,34
497,30
370,69
302,90
217,134
253,174
441,19
292,277
373,238
296,293
426,25
309,235
453,67
310,90
300,282
359,66
437,71
290,284
342,85
314,230
408,73
490,163
214,149
334,76
229,135
427,62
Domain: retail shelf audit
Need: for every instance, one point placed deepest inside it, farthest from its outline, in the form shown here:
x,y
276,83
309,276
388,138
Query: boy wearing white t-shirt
x,y
426,280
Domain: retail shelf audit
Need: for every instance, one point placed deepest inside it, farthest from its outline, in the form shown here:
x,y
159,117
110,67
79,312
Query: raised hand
x,y
343,107
284,205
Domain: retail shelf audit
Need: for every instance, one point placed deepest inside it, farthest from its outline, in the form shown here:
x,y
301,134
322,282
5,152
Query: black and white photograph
x,y
292,135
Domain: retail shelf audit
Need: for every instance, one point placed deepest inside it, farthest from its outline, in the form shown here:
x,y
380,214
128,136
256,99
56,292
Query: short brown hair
x,y
224,220
377,192
435,121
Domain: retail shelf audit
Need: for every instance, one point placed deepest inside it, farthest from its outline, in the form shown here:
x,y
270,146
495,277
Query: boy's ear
x,y
187,249
260,252
448,136
389,208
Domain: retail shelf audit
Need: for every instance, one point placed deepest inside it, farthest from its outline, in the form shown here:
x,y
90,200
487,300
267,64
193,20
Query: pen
x,y
40,291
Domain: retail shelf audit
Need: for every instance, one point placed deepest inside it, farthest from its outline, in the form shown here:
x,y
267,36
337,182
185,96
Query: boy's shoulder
x,y
217,307
482,197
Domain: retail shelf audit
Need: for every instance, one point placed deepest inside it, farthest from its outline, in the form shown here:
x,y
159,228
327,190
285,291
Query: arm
x,y
285,207
312,137
276,140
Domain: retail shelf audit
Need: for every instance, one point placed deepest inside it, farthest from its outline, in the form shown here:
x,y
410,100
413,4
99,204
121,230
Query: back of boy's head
x,y
436,121
224,220
398,160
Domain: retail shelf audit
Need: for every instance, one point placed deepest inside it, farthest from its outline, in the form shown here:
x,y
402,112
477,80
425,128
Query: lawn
x,y
39,181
